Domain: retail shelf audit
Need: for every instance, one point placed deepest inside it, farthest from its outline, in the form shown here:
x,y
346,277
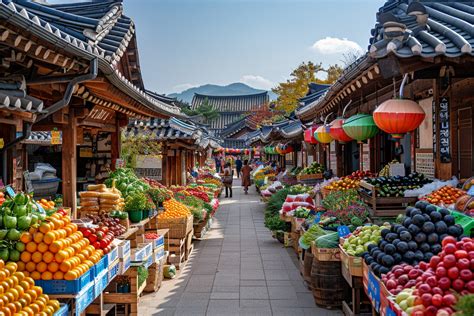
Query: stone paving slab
x,y
238,269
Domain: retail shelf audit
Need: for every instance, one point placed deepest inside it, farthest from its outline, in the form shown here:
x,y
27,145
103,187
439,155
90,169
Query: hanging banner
x,y
444,132
56,138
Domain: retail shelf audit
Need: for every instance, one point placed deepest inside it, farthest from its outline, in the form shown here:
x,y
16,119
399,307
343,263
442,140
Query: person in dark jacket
x,y
238,166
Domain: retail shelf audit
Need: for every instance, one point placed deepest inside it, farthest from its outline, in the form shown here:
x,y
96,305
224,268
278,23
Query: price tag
x,y
317,218
2,143
10,191
56,138
343,231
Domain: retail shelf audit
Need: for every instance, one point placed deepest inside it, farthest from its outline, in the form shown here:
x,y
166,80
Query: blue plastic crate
x,y
84,299
149,261
112,255
63,310
64,286
100,282
100,266
124,248
158,242
125,264
159,253
114,270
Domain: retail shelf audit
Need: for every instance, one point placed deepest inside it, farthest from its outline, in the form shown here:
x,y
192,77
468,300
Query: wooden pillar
x,y
69,162
116,142
339,160
164,165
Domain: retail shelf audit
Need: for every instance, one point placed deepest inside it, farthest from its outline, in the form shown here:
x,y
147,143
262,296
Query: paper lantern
x,y
360,127
309,135
337,132
398,117
322,135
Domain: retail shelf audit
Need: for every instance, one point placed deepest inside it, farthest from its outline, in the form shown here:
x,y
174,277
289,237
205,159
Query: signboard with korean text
x,y
149,166
444,131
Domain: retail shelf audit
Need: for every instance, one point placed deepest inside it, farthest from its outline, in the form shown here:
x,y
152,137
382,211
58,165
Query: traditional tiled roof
x,y
315,91
428,28
283,130
406,29
172,129
104,34
13,97
235,127
234,143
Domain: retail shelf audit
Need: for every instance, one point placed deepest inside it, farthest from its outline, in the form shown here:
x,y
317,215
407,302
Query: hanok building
x,y
231,125
431,42
70,67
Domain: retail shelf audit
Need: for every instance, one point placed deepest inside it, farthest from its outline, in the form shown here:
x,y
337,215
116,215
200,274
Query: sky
x,y
187,43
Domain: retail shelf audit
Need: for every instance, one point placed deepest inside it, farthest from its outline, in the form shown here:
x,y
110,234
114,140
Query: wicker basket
x,y
178,227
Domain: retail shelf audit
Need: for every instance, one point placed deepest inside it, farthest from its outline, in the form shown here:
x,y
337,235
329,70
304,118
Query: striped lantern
x,y
360,127
322,135
398,117
337,132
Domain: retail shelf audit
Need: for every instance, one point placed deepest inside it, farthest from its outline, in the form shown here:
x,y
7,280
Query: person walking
x,y
246,170
227,179
218,164
238,166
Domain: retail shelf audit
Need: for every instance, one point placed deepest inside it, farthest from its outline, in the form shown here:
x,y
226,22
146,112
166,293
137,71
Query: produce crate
x,y
63,310
178,227
374,289
142,252
177,250
351,263
125,264
66,287
466,221
199,228
384,206
114,269
100,282
325,254
296,224
189,244
156,243
315,176
124,248
99,267
155,276
112,255
84,299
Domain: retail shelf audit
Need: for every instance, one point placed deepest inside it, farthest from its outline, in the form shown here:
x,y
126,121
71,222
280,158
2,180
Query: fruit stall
x,y
415,259
130,233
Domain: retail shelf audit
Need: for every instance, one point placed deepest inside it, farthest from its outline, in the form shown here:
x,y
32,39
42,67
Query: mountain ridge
x,y
236,88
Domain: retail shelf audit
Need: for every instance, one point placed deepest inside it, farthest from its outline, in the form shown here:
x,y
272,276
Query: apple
x,y
461,254
437,300
444,283
449,261
448,240
403,279
453,273
426,299
424,288
398,272
449,300
441,272
457,285
470,286
435,260
463,263
450,249
391,284
437,290
466,275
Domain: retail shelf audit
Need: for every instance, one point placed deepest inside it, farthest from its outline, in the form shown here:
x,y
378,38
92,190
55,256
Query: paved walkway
x,y
239,269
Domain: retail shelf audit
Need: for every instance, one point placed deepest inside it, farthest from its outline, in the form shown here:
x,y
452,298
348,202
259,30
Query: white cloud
x,y
184,86
334,45
257,82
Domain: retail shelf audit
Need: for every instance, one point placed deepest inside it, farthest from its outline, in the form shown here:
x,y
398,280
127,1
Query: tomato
x,y
92,238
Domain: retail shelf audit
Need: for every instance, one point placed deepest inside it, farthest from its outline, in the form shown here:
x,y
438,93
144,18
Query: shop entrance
x,y
465,139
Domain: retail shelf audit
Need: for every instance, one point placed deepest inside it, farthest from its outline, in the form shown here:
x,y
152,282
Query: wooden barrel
x,y
328,284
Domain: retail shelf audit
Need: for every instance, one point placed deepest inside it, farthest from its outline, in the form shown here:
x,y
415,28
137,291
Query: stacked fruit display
x,y
418,239
349,182
444,196
362,237
47,205
397,185
20,295
111,224
314,168
99,237
57,250
174,209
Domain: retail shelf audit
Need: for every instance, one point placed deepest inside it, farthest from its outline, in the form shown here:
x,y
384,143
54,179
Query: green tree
x,y
205,109
296,87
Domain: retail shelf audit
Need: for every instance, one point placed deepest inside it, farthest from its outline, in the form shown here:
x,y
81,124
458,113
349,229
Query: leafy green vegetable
x,y
312,233
274,223
465,305
136,202
330,240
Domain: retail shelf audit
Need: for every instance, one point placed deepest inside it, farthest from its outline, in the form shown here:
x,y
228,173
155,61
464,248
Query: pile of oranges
x,y
444,196
174,209
56,250
47,205
20,296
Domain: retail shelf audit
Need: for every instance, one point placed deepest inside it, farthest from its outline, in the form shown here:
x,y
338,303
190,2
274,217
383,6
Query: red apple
x,y
470,286
441,272
461,254
424,288
444,283
466,275
391,284
426,299
449,261
453,273
449,300
437,290
457,285
435,260
448,240
450,248
431,281
431,311
437,300
463,263
398,272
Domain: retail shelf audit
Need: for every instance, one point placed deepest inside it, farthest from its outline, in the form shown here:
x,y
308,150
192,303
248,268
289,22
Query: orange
x,y
47,275
48,257
29,311
41,267
26,237
30,281
23,302
65,266
35,308
42,247
56,246
11,307
71,275
38,237
27,298
61,256
49,237
3,275
12,267
46,227
58,275
31,247
36,257
25,256
15,294
9,296
53,267
32,293
21,266
30,266
26,273
35,275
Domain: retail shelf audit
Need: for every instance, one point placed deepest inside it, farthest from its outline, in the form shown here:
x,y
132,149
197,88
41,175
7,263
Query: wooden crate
x,y
199,228
384,206
155,276
189,244
178,227
325,254
351,263
303,177
177,250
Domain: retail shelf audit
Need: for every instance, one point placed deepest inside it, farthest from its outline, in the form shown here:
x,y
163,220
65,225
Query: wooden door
x,y
465,140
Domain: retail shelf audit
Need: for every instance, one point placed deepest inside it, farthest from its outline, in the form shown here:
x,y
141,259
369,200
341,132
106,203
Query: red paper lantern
x,y
337,132
309,135
398,117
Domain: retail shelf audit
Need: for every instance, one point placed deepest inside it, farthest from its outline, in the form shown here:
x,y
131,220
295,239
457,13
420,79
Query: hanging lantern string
x,y
402,85
345,108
